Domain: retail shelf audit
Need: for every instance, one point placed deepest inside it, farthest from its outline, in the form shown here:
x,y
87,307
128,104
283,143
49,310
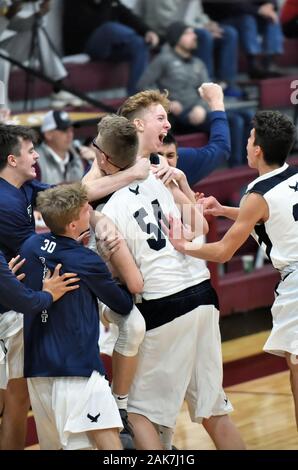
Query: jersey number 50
x,y
159,241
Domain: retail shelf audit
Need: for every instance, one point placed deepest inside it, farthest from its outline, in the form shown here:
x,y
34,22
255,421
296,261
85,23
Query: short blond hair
x,y
119,139
135,105
61,205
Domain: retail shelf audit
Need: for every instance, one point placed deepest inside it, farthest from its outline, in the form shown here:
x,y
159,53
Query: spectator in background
x,y
4,115
217,44
178,70
289,18
108,30
59,160
259,31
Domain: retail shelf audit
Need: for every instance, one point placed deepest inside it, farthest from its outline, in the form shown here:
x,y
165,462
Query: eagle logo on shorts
x,y
93,419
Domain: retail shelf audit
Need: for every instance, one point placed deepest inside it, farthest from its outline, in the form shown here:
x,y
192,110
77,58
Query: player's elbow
x,y
135,285
222,253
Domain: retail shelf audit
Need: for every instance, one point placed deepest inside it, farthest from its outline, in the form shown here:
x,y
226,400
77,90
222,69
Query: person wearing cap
x,y
179,71
217,42
58,160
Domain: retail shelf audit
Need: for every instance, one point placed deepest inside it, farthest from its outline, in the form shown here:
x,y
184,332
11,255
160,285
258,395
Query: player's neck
x,y
144,152
67,234
264,168
12,178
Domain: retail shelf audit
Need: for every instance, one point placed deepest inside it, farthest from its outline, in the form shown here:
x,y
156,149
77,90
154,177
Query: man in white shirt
x,y
59,161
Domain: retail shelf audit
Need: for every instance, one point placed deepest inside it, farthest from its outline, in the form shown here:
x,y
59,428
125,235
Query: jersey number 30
x,y
49,246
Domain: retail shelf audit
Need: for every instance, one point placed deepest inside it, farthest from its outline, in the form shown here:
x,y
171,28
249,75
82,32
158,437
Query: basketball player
x,y
269,209
18,190
14,295
179,305
71,400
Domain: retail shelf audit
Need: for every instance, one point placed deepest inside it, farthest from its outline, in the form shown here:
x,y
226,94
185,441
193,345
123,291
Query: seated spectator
x,y
289,18
178,70
58,160
259,31
217,44
109,31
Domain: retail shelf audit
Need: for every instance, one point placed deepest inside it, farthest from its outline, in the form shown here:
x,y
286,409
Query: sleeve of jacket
x,y
128,17
99,280
197,163
152,74
15,296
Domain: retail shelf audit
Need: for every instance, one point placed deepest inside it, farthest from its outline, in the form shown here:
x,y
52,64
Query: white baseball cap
x,y
56,120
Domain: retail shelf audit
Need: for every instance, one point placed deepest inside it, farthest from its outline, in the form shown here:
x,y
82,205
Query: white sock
x,y
121,401
165,436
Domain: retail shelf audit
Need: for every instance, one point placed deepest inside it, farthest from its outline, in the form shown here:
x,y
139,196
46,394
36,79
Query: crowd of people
x,y
125,239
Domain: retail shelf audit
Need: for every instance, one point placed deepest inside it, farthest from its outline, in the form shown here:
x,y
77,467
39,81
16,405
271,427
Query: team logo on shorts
x,y
93,419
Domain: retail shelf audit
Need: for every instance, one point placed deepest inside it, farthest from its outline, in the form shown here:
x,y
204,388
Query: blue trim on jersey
x,y
263,186
158,312
263,237
63,341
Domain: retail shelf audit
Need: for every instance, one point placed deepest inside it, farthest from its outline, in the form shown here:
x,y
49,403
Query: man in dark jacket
x,y
108,30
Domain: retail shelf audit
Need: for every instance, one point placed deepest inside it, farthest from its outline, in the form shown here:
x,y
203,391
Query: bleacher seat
x,y
90,76
276,92
197,139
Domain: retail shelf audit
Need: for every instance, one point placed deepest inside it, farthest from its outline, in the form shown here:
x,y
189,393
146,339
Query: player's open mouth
x,y
162,136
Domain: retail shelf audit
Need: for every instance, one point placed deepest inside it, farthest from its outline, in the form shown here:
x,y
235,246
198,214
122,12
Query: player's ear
x,y
139,123
258,151
12,160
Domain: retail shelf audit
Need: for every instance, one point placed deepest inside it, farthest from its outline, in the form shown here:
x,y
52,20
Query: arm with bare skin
x,y
253,210
113,247
99,185
211,206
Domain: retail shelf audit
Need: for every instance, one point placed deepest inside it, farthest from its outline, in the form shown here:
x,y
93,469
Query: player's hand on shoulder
x,y
165,172
15,264
57,285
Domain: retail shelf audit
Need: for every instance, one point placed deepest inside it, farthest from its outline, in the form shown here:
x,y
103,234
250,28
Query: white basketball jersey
x,y
137,210
279,235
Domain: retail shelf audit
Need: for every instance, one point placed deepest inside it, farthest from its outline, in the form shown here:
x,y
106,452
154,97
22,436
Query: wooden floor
x,y
264,414
264,410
